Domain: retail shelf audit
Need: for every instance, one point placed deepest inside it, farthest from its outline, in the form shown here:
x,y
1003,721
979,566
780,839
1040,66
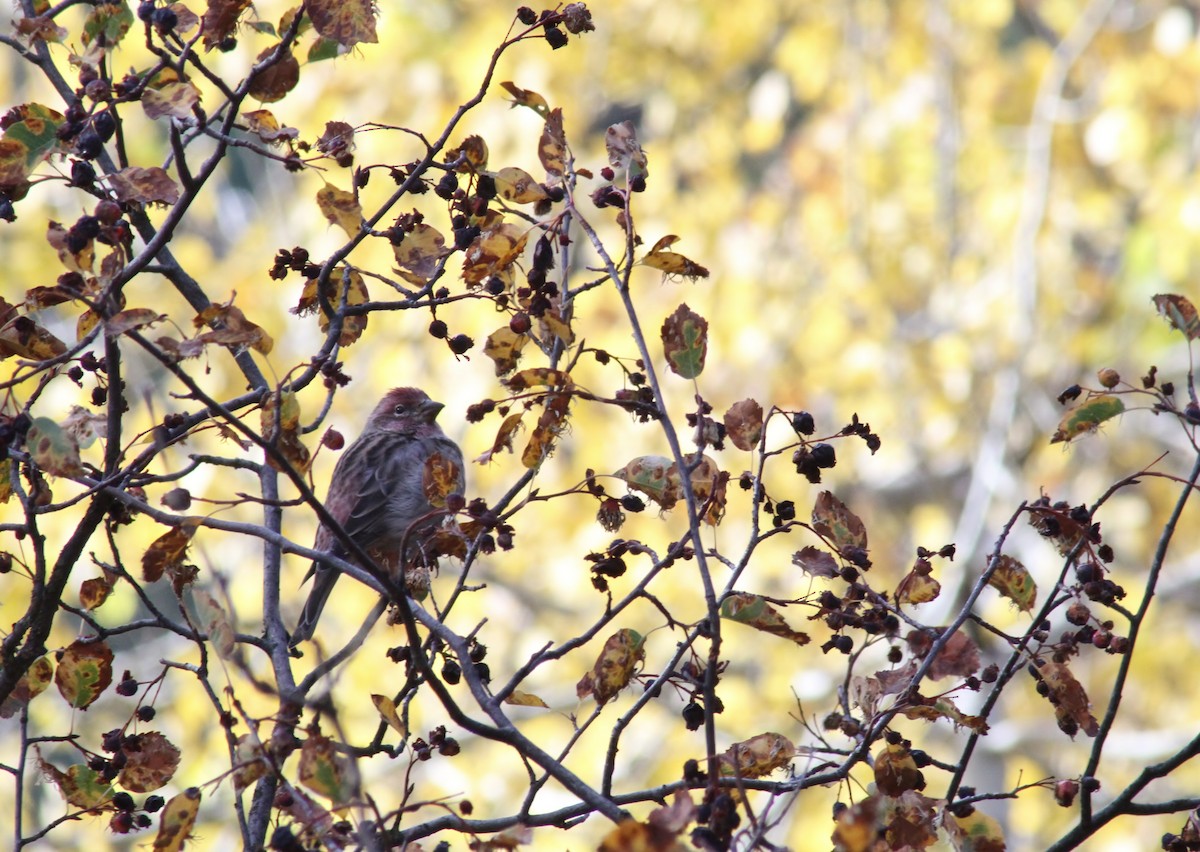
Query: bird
x,y
390,483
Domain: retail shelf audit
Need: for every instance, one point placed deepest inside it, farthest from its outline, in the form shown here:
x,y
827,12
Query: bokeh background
x,y
936,215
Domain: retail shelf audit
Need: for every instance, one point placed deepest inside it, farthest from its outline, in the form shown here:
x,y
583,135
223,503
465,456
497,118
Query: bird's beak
x,y
430,409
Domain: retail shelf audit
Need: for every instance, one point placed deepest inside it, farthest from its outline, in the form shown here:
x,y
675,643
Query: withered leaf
x,y
685,342
340,208
263,124
837,524
1180,313
147,186
150,765
220,20
348,22
84,672
1087,416
753,610
527,98
174,100
552,146
1014,581
615,666
744,423
504,347
1071,706
814,561
272,83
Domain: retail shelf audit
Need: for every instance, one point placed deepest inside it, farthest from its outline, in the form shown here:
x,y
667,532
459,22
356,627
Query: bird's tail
x,y
323,581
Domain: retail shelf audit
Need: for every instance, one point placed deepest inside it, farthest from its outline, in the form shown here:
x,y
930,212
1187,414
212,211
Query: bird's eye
x,y
400,410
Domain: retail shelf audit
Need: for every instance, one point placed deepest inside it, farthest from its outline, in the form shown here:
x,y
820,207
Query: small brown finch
x,y
390,483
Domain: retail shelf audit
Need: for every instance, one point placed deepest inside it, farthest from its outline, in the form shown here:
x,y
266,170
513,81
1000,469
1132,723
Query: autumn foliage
x,y
114,507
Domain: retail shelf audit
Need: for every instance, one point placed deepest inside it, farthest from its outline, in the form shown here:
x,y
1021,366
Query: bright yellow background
x,y
922,212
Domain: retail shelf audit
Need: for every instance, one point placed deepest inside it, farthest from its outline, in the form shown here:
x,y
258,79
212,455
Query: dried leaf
x,y
976,832
84,672
150,764
624,150
1013,580
167,551
837,524
324,771
387,712
518,186
441,476
552,146
231,328
174,100
32,684
493,252
263,124
672,263
1071,706
896,771
420,252
539,377
93,592
53,448
145,186
1087,417
816,562
504,347
527,98
944,708
758,756
23,337
754,611
131,319
744,424
340,208
348,22
918,585
220,20
614,668
275,81
1180,313
685,342
504,438
525,699
550,425
178,818
250,765
281,427
80,786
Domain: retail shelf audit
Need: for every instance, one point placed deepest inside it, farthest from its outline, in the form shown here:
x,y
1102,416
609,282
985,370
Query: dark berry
x,y
104,124
460,344
556,38
527,16
446,186
463,237
824,455
122,801
145,10
164,19
89,145
437,329
520,323
83,174
145,713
